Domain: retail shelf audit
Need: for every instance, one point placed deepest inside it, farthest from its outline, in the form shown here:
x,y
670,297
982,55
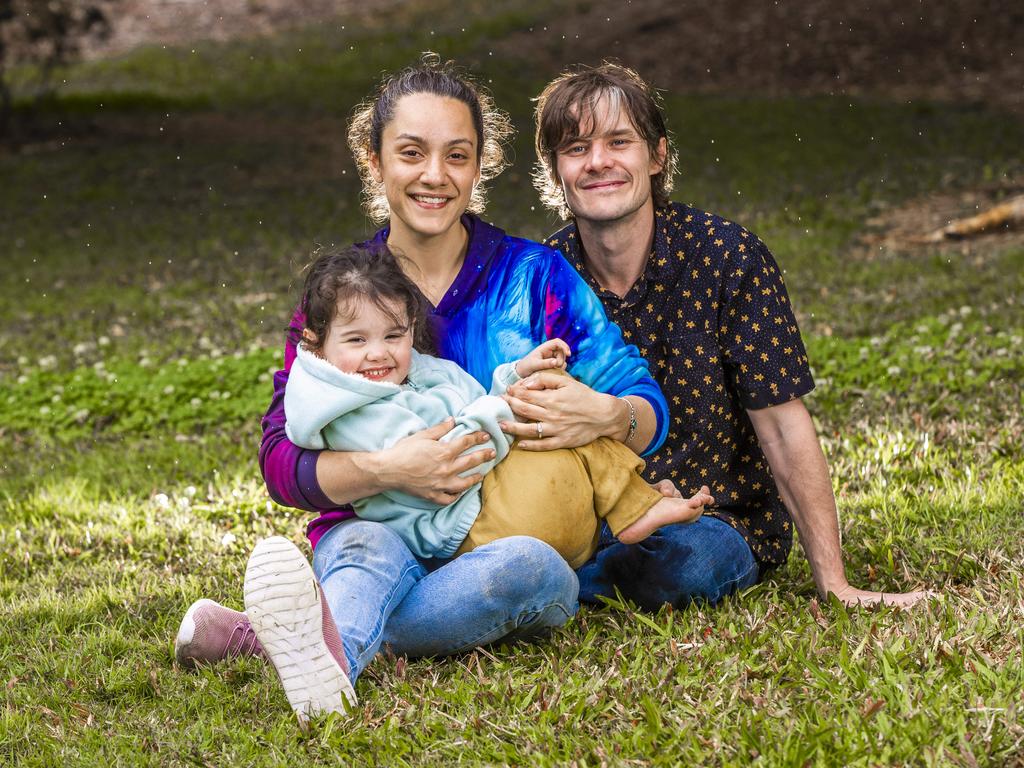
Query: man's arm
x,y
787,437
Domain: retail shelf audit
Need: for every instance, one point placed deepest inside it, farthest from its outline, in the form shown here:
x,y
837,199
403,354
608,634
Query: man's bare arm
x,y
787,437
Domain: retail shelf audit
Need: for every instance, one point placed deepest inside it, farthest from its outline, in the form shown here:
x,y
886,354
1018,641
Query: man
x,y
704,301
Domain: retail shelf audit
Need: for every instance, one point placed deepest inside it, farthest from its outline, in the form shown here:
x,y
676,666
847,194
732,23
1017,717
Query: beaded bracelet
x,y
632,420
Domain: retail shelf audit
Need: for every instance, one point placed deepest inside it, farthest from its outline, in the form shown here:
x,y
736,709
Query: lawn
x,y
151,241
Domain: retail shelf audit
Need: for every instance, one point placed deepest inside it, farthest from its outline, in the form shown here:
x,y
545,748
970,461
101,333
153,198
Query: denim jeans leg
x,y
705,560
365,570
512,588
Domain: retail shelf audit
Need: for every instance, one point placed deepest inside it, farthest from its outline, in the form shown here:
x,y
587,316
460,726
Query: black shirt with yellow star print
x,y
711,315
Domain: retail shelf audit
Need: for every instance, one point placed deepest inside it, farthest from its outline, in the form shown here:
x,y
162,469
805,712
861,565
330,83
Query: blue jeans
x,y
705,561
378,591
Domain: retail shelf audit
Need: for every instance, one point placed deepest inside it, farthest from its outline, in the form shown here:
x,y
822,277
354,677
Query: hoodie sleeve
x,y
600,357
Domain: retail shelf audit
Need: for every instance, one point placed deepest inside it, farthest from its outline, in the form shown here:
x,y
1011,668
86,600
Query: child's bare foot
x,y
667,511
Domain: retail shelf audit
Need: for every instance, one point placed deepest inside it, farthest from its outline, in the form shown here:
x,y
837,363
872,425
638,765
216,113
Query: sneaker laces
x,y
243,641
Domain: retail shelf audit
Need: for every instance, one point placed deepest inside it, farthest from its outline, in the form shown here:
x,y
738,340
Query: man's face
x,y
606,172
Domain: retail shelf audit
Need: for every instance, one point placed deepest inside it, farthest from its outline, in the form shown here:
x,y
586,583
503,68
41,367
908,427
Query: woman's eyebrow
x,y
421,140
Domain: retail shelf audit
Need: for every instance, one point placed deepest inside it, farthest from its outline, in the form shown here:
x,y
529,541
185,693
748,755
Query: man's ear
x,y
373,160
659,156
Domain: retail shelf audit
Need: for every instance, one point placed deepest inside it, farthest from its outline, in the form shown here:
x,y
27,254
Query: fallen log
x,y
1007,214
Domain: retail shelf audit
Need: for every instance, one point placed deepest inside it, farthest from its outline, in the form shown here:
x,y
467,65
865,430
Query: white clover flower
x,y
80,349
195,402
22,379
22,360
169,389
103,341
47,362
190,491
81,415
44,411
162,500
893,370
228,539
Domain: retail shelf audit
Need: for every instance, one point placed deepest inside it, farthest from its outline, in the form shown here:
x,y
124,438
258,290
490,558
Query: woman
x,y
424,145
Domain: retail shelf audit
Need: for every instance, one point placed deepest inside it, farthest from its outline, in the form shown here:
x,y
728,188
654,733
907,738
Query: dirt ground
x,y
931,49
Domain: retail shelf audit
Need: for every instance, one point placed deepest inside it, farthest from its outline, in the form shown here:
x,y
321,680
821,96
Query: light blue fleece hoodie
x,y
327,408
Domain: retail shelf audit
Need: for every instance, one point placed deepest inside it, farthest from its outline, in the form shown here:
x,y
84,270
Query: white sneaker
x,y
286,606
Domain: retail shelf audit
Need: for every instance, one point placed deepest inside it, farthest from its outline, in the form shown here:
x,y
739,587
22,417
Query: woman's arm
x,y
573,413
319,481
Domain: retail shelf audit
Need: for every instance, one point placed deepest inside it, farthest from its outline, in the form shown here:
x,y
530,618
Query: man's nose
x,y
599,157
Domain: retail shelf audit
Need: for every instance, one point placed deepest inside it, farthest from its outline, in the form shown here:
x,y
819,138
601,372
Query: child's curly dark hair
x,y
340,277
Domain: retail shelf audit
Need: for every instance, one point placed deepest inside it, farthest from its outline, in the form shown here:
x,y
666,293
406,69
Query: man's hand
x,y
787,437
423,466
551,354
853,597
571,414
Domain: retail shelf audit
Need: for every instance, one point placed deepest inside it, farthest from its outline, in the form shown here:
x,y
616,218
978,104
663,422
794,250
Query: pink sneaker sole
x,y
283,602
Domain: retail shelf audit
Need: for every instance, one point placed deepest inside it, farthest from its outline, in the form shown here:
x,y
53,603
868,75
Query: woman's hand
x,y
562,413
423,466
551,354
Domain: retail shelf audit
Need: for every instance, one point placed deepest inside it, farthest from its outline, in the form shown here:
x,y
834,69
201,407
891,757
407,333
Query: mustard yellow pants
x,y
561,496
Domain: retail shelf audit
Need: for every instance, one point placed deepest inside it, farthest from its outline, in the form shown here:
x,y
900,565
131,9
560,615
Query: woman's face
x,y
428,164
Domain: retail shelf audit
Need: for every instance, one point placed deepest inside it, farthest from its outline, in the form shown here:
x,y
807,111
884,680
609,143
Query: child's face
x,y
369,343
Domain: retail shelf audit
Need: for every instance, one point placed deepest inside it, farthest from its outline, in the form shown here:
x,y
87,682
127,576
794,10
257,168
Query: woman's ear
x,y
373,160
308,335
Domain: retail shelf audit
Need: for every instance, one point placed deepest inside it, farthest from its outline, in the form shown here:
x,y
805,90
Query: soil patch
x,y
939,50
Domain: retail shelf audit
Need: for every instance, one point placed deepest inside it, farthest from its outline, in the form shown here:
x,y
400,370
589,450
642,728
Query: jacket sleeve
x,y
600,357
288,470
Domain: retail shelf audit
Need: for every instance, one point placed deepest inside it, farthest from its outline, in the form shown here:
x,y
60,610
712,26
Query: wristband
x,y
632,420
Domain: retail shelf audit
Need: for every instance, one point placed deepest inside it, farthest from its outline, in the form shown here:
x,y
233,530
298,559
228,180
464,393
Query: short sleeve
x,y
762,348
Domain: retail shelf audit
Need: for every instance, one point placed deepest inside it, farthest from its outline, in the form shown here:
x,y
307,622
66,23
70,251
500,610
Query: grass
x,y
152,244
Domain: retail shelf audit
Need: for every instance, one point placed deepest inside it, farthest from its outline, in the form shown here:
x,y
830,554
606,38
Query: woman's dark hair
x,y
339,278
493,127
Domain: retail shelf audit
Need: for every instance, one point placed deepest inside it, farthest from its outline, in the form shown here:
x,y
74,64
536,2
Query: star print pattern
x,y
711,315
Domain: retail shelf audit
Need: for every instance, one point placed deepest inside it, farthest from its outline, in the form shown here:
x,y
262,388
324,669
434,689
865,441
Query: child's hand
x,y
551,354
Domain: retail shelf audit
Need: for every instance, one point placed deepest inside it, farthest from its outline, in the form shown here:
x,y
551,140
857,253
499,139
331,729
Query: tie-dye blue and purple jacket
x,y
510,295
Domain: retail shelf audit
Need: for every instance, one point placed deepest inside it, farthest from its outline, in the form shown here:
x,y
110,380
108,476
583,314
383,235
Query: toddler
x,y
361,382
